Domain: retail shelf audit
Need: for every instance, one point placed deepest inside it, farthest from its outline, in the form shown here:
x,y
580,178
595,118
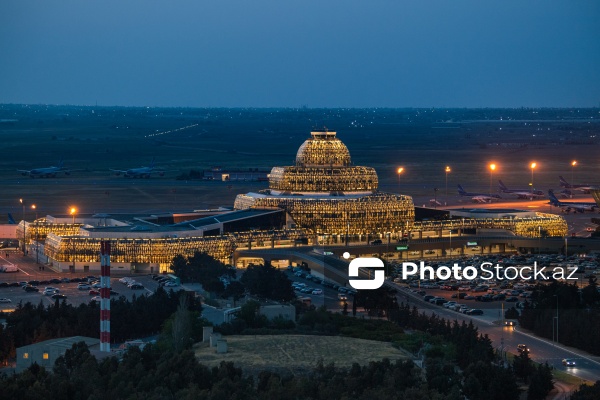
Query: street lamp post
x,y
492,169
399,172
24,225
447,170
37,258
73,211
539,239
533,165
573,164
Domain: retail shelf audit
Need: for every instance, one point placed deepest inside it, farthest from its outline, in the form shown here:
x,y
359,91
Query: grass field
x,y
297,353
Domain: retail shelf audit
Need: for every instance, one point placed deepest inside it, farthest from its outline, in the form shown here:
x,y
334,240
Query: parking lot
x,y
73,295
330,296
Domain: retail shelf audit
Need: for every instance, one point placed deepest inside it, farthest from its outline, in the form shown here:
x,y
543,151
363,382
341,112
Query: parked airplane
x,y
142,172
584,188
478,197
571,205
48,172
521,193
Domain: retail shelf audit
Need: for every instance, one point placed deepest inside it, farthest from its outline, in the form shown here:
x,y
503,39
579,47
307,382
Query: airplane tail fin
x,y
563,182
11,220
501,185
552,197
60,163
461,190
152,162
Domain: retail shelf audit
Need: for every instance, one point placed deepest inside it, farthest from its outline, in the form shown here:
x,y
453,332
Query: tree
x,y
586,392
235,290
181,327
249,314
541,382
201,268
522,366
268,282
511,313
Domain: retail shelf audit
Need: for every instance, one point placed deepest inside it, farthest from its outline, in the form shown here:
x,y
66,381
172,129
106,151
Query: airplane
x,y
48,172
142,172
584,188
571,205
478,197
566,194
521,193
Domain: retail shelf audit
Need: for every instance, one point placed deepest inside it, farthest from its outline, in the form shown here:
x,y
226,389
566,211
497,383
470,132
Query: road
x,y
507,339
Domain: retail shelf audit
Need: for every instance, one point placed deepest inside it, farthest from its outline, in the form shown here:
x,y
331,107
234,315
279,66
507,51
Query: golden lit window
x,y
25,355
45,356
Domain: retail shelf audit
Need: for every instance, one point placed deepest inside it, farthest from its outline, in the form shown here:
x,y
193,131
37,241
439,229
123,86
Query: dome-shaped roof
x,y
323,149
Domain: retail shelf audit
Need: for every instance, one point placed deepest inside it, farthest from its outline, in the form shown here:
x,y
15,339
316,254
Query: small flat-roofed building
x,y
47,352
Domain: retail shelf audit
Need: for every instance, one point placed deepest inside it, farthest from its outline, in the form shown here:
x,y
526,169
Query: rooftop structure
x,y
326,195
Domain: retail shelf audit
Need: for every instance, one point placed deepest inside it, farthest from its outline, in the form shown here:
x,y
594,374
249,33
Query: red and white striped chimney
x,y
105,295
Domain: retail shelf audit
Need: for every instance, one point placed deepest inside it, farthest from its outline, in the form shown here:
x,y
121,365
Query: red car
x,y
93,292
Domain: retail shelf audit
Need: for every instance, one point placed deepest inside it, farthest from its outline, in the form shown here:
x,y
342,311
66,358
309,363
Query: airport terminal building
x,y
321,200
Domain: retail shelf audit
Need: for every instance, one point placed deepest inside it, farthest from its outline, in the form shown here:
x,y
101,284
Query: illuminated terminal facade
x,y
325,194
322,199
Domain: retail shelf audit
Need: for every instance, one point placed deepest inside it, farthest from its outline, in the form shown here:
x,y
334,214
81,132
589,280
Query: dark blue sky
x,y
345,53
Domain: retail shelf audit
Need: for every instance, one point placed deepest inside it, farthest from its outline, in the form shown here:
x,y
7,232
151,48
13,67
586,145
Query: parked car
x,y
83,286
475,311
93,292
30,288
317,291
136,286
59,296
96,298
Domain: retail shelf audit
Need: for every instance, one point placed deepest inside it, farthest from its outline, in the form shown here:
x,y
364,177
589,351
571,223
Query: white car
x,y
5,300
317,291
96,298
83,286
171,283
50,292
